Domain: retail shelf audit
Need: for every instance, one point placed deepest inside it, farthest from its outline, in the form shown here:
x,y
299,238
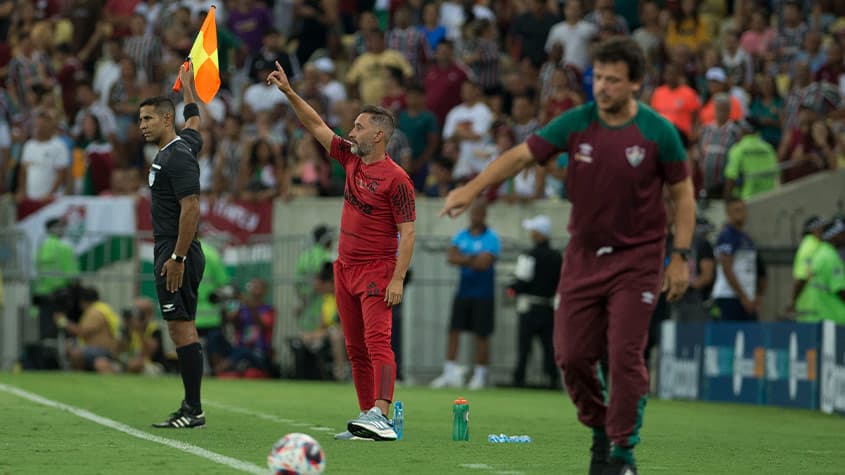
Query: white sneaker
x,y
372,425
454,380
476,383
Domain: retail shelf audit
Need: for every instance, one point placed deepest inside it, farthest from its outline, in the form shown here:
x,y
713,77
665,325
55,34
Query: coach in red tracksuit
x,y
375,248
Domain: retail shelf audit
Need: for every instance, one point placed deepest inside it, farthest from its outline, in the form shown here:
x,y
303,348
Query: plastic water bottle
x,y
398,419
460,419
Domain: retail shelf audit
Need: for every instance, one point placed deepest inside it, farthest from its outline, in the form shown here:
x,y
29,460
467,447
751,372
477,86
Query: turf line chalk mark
x,y
119,426
266,417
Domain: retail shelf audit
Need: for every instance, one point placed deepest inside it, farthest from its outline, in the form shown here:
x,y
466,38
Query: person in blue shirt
x,y
475,251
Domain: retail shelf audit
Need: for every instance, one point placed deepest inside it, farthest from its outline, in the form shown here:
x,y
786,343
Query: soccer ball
x,y
296,454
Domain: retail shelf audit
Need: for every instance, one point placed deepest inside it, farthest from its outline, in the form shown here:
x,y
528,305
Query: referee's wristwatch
x,y
683,252
179,259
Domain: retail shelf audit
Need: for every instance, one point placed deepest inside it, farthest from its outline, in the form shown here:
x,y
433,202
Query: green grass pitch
x,y
246,417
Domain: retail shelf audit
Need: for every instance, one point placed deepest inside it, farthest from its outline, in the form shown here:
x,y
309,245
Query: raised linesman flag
x,y
204,57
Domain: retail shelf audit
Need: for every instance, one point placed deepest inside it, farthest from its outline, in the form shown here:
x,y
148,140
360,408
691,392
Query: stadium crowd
x,y
754,87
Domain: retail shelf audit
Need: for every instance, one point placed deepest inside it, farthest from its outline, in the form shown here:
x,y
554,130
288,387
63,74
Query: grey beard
x,y
360,150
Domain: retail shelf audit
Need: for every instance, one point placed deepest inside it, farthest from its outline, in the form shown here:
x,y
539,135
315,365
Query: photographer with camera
x,y
97,334
244,347
141,340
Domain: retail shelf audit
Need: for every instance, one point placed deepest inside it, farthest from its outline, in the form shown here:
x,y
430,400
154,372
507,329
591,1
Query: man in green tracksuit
x,y
752,166
827,277
215,276
56,265
813,228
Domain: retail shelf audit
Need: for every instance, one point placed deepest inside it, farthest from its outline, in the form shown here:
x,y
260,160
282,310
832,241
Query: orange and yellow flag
x,y
204,58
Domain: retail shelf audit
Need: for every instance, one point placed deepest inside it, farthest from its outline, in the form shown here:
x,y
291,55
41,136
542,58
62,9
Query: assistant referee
x,y
179,260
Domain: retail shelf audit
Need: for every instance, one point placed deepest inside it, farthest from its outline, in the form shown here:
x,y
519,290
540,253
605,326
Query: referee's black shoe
x,y
601,451
185,417
617,466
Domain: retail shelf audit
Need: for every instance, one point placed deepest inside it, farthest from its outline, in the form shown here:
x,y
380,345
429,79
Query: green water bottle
x,y
460,419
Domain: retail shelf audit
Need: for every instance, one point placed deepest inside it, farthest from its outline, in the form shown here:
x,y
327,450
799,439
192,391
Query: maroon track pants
x,y
607,297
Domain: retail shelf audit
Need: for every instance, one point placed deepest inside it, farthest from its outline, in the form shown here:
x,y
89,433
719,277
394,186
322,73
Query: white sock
x,y
450,368
480,372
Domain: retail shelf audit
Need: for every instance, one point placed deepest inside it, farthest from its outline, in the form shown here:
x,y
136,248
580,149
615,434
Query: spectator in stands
x,y
442,79
399,149
574,34
454,15
250,20
28,68
767,109
317,16
249,350
98,158
715,141
529,30
88,105
124,99
142,343
230,154
394,98
273,48
717,82
441,178
420,126
524,114
431,27
752,166
368,72
809,148
97,335
45,161
563,94
833,68
205,160
480,51
801,303
827,277
469,123
262,178
408,40
143,49
650,34
739,287
331,88
677,101
791,32
738,63
258,96
687,27
475,251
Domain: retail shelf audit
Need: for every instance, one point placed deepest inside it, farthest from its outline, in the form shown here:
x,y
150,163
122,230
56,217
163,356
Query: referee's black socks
x,y
191,367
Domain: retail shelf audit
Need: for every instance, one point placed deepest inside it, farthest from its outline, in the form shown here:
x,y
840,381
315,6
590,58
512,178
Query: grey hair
x,y
382,119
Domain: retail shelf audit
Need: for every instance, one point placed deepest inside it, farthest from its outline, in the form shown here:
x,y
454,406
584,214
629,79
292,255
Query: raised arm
x,y
306,114
189,94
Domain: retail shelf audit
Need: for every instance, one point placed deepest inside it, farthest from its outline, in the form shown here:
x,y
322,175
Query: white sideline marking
x,y
267,417
476,466
119,426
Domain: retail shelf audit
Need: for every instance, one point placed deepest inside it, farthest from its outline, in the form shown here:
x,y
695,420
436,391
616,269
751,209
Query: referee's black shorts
x,y
182,304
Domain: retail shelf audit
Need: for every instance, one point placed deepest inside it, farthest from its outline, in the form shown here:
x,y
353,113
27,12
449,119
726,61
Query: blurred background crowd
x,y
466,80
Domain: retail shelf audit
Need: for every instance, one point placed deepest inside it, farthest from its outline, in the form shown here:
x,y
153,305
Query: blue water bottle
x,y
398,419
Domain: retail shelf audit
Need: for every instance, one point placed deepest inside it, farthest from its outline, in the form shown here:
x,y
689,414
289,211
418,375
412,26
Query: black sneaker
x,y
601,451
617,466
185,417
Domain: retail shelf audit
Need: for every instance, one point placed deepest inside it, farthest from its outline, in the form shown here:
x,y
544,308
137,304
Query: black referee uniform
x,y
175,174
535,294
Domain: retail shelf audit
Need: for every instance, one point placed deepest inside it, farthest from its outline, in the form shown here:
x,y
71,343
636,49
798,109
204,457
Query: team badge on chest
x,y
635,155
152,177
